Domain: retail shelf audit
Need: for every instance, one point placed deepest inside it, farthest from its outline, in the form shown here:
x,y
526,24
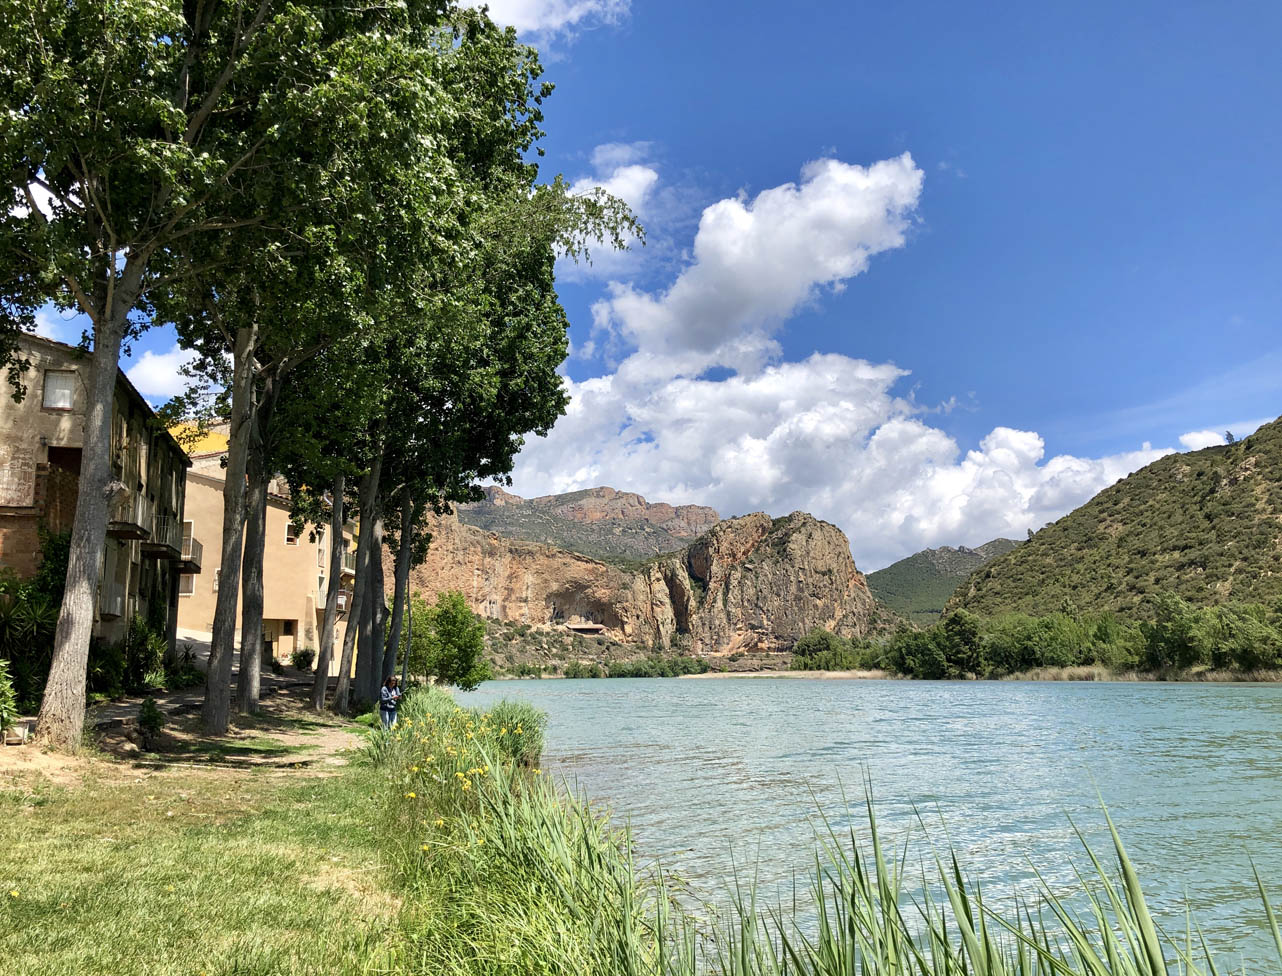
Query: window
x,y
187,584
60,389
287,628
291,534
217,573
320,584
320,546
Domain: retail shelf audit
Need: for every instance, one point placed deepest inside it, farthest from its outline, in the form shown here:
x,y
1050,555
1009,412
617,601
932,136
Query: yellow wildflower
x,y
13,893
480,840
466,784
440,821
424,847
410,796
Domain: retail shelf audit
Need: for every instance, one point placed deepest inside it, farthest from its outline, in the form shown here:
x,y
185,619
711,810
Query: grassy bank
x,y
443,849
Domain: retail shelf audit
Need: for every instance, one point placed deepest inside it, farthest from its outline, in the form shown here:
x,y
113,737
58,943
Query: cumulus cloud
x,y
548,17
1195,440
827,435
158,376
756,260
700,409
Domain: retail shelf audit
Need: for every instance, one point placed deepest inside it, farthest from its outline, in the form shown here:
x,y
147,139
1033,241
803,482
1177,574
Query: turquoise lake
x,y
717,773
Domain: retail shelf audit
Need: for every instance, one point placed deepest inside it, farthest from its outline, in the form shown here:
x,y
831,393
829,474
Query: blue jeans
x,y
388,715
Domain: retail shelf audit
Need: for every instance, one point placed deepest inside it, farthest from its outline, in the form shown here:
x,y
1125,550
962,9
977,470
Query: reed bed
x,y
505,874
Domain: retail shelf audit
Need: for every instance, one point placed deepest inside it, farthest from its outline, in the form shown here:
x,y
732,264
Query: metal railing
x,y
166,531
349,562
131,514
192,551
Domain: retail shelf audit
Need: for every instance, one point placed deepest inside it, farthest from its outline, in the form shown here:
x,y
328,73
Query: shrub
x,y
150,721
183,673
8,700
144,653
302,658
27,622
106,668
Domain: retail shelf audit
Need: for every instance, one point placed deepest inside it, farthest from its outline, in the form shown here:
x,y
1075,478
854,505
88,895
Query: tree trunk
x,y
62,709
217,708
320,681
401,581
251,611
383,664
369,655
368,495
409,642
259,472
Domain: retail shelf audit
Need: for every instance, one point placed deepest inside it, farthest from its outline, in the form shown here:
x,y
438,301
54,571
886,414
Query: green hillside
x,y
1205,525
918,586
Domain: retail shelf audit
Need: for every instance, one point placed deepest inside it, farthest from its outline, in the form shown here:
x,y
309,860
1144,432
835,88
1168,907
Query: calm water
x,y
717,772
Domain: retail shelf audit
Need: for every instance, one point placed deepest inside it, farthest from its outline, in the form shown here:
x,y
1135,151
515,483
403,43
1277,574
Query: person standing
x,y
389,697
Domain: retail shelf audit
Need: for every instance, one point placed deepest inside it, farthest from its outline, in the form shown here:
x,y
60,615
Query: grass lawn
x,y
161,865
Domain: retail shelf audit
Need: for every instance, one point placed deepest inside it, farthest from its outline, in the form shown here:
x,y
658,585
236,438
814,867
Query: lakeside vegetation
x,y
444,849
1239,638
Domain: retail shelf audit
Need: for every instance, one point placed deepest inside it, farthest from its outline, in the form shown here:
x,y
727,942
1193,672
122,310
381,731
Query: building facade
x,y
296,564
149,546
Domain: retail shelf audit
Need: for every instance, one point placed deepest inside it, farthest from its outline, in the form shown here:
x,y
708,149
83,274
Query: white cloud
x,y
828,434
825,435
757,260
553,16
157,376
1195,440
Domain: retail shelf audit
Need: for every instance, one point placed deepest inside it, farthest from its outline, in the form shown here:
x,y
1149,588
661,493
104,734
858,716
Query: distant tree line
x,y
1241,637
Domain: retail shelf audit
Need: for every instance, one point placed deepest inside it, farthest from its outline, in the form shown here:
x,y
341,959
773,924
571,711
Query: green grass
x,y
192,871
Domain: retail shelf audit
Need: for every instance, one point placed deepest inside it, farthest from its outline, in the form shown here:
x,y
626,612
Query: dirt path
x,y
285,735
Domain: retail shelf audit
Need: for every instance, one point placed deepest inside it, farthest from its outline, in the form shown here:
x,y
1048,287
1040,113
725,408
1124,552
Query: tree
x,y
448,642
819,641
132,131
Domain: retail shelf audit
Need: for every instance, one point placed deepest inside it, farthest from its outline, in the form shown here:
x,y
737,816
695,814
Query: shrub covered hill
x,y
617,526
1205,525
918,586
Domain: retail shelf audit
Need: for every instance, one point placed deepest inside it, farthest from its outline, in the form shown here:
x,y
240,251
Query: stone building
x,y
148,544
296,564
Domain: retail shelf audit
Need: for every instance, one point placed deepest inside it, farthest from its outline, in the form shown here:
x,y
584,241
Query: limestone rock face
x,y
750,583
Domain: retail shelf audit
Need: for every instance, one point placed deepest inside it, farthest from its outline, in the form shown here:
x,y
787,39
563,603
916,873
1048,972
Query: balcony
x,y
111,600
130,517
349,564
166,538
191,555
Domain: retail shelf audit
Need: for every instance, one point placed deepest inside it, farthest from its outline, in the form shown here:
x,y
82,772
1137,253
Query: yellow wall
x,y
293,596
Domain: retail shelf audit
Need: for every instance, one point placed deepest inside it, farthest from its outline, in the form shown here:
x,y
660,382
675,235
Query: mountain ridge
x,y
602,523
1205,525
917,587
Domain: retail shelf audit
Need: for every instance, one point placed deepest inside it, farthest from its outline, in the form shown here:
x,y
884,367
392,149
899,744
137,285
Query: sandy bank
x,y
823,675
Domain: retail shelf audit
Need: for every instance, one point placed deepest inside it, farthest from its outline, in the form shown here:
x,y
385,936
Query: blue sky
x,y
1075,268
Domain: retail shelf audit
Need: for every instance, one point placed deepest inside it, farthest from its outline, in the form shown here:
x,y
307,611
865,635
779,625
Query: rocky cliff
x,y
599,522
749,584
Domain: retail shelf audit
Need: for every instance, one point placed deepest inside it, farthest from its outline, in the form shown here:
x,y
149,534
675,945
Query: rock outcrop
x,y
751,584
